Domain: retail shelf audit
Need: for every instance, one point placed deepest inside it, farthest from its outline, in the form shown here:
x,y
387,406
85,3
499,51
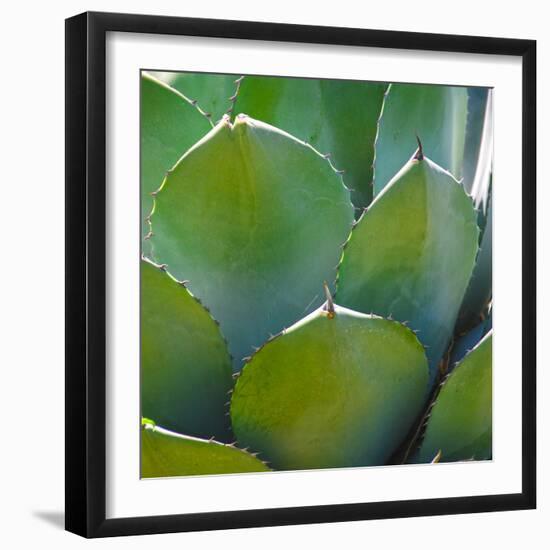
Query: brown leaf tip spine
x,y
329,305
419,155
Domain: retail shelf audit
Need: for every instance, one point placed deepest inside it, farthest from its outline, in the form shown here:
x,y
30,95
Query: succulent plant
x,y
316,260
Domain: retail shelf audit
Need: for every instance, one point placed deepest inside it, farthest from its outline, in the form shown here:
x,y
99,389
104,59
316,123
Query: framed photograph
x,y
300,274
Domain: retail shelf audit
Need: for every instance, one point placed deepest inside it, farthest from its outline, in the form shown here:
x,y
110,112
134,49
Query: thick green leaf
x,y
482,181
255,220
335,116
412,253
437,114
480,288
337,389
477,104
212,92
185,366
170,124
460,424
167,454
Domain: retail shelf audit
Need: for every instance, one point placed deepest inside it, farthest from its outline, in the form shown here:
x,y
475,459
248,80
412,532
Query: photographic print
x,y
316,273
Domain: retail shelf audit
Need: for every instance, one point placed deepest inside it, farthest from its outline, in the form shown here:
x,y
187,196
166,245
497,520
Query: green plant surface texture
x,y
170,125
337,117
185,366
336,389
437,114
255,220
411,254
212,92
166,454
460,424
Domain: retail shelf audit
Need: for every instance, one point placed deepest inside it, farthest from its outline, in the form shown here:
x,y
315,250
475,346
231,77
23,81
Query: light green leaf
x,y
255,220
437,114
167,454
412,253
461,420
185,366
170,124
480,287
337,389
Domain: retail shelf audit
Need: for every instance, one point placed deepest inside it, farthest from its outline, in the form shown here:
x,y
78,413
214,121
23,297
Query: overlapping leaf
x,y
185,366
166,454
335,116
255,220
437,114
480,288
460,424
412,253
170,124
212,92
337,389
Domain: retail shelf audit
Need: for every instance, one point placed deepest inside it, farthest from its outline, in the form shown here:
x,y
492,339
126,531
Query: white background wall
x,y
31,277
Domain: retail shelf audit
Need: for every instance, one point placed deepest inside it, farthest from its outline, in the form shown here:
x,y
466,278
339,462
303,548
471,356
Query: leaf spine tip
x,y
329,305
419,155
437,457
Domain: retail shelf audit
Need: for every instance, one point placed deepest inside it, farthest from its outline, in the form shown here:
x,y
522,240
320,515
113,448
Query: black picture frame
x,y
86,274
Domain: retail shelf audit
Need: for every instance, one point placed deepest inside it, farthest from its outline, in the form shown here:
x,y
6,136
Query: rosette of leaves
x,y
246,216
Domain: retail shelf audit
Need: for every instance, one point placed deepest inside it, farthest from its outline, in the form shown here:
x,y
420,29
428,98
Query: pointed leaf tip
x,y
419,155
329,305
437,457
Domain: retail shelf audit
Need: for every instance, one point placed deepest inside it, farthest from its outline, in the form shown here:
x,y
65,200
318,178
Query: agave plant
x,y
316,273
